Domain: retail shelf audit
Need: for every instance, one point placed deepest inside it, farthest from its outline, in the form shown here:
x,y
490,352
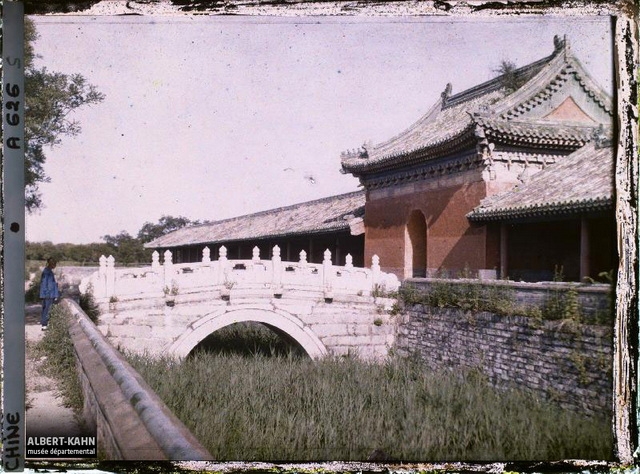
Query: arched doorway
x,y
415,264
277,320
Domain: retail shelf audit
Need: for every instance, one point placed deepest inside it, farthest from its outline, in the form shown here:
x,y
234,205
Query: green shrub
x,y
469,296
89,306
562,304
33,266
32,295
409,295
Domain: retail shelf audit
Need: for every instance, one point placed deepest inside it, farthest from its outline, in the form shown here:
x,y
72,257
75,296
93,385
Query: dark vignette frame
x,y
626,340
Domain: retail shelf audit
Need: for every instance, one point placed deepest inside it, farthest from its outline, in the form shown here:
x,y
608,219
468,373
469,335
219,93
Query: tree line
x,y
125,248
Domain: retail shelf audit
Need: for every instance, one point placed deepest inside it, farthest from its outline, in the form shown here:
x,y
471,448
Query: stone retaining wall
x,y
563,361
131,422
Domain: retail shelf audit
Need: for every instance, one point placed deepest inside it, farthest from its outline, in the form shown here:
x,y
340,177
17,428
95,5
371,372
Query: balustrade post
x,y
375,270
276,264
223,265
206,255
155,261
303,259
348,261
327,268
256,255
111,276
101,290
168,269
102,270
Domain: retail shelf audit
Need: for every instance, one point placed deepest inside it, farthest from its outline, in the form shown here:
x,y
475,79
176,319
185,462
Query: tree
x,y
166,224
49,101
127,249
510,79
32,7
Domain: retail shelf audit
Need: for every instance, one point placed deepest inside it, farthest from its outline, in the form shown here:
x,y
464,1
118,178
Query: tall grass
x,y
249,339
60,362
295,409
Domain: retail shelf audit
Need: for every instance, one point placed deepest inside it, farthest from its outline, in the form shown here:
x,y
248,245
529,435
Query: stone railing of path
x,y
131,421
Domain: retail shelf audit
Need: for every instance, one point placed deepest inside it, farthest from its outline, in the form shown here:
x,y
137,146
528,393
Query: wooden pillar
x,y
288,253
585,253
504,257
310,256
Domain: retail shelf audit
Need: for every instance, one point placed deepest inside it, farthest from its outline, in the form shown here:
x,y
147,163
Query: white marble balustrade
x,y
169,278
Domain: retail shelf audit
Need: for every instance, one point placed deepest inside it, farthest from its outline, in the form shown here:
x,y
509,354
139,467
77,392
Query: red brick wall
x,y
452,242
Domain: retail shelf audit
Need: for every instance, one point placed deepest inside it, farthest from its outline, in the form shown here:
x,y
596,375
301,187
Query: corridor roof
x,y
330,214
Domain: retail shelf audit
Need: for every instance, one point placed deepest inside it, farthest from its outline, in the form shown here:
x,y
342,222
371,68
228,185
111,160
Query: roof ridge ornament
x,y
446,93
558,43
364,149
567,48
561,44
601,138
361,153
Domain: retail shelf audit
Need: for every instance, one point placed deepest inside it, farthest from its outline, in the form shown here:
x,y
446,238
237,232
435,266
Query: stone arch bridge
x,y
170,308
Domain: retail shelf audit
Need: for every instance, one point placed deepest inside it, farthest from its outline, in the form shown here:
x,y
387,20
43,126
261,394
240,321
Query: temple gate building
x,y
457,189
510,178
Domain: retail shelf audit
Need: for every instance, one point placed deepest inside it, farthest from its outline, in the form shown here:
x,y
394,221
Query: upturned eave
x,y
569,209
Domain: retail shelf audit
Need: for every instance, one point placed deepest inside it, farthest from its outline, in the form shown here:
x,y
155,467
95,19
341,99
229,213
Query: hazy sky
x,y
214,117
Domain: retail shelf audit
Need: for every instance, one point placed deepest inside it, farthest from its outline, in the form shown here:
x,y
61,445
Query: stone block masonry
x,y
563,361
356,324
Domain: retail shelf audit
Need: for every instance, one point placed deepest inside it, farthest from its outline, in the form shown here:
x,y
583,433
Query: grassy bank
x,y
294,409
60,362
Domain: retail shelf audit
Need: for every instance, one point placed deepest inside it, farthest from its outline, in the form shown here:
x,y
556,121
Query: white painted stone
x,y
299,307
325,330
166,334
340,350
337,317
129,331
148,345
354,341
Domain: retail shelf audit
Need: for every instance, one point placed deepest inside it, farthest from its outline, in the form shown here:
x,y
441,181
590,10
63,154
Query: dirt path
x,y
46,415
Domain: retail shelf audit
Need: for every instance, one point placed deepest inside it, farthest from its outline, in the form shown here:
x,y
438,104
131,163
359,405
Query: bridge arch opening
x,y
286,325
250,338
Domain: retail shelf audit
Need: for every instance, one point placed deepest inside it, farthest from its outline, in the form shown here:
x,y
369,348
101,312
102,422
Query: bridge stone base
x,y
174,325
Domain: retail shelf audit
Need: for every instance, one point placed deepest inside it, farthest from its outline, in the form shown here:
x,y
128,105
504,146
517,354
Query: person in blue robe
x,y
49,292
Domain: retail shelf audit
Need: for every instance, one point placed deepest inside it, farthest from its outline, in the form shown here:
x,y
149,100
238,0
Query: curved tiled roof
x,y
550,79
433,130
329,214
453,120
442,125
578,183
546,133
